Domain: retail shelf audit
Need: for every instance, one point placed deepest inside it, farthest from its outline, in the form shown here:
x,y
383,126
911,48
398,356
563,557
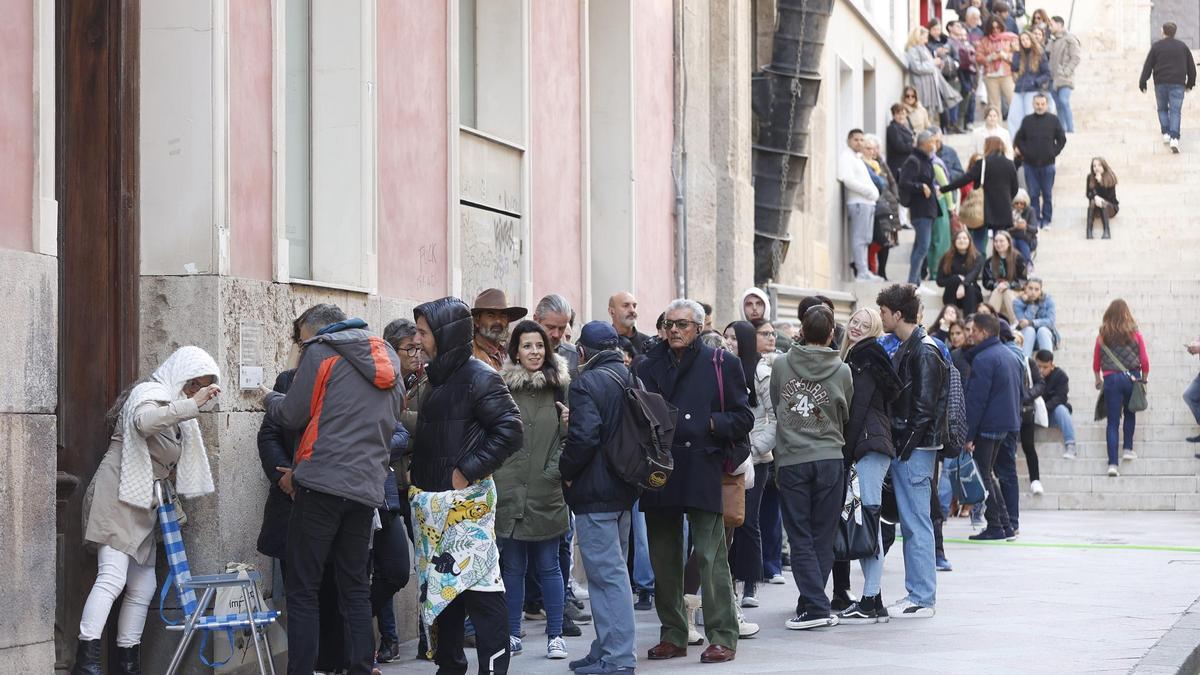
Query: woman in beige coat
x,y
155,435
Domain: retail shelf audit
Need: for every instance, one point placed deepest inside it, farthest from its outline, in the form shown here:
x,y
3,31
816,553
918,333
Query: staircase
x,y
1152,261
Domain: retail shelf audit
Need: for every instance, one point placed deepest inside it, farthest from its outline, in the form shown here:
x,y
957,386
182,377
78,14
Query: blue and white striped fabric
x,y
168,522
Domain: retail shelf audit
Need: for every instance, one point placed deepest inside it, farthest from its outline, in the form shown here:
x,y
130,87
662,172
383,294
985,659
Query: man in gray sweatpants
x,y
861,195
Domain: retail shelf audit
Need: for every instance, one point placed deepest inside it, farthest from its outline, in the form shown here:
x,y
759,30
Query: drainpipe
x,y
783,97
679,155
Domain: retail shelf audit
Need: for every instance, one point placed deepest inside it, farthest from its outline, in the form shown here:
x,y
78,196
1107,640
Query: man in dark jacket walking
x,y
1038,142
690,376
918,430
346,395
993,395
1170,62
919,192
599,498
469,425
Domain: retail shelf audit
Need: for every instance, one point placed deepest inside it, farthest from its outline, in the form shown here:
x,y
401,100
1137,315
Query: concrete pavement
x,y
1079,592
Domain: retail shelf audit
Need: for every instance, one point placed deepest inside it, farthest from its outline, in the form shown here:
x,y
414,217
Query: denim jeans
x,y
872,469
945,490
604,547
1118,387
515,557
1022,247
1040,181
1061,418
912,482
1006,476
810,498
1062,99
770,525
1037,338
643,573
980,236
923,228
1170,108
1192,397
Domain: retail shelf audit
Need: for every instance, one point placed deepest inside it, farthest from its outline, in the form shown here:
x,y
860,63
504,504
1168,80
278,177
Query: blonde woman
x,y
923,69
869,444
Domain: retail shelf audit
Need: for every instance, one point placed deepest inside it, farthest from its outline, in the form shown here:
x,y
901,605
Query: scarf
x,y
193,477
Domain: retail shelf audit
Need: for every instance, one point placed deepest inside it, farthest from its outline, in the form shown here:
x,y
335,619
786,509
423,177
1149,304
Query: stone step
x,y
1095,449
1110,501
1123,484
1096,466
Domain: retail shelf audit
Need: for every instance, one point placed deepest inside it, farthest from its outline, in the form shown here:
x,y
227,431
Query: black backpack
x,y
640,450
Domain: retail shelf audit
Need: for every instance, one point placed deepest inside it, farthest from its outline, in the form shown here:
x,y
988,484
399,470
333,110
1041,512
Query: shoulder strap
x,y
614,376
718,362
1113,356
982,171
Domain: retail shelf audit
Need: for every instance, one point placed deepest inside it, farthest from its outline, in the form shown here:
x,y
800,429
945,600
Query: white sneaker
x,y
1070,451
1036,487
1166,138
778,580
749,601
1112,470
868,276
1175,145
1129,454
908,610
579,590
922,289
746,629
556,648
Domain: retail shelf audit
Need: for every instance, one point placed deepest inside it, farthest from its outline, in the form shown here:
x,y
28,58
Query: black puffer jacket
x,y
919,412
276,447
596,403
876,385
468,420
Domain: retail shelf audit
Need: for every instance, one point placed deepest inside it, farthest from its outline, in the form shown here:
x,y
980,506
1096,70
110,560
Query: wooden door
x,y
97,104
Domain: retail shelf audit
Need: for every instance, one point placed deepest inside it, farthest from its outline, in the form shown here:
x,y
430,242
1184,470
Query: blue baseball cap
x,y
598,335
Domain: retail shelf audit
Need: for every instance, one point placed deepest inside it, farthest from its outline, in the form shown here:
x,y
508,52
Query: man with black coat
x,y
918,430
714,413
919,192
469,425
600,499
1170,62
1038,143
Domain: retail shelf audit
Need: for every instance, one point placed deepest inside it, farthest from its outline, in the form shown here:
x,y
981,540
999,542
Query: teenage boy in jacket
x,y
1170,62
1055,389
600,499
346,395
918,429
993,395
1038,142
469,424
811,389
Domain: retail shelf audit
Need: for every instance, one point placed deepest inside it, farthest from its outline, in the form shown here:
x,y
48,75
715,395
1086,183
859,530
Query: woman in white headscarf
x,y
155,435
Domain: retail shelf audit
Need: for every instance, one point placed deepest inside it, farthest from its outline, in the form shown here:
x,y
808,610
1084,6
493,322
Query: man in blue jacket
x,y
993,394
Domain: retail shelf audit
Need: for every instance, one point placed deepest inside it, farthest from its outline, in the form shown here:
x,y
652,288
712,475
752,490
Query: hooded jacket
x,y
346,395
876,385
811,389
468,420
762,295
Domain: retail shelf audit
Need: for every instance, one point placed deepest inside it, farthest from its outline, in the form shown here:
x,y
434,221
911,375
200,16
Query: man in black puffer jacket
x,y
469,425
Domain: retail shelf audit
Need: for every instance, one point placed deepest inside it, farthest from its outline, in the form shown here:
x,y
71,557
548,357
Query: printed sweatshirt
x,y
811,389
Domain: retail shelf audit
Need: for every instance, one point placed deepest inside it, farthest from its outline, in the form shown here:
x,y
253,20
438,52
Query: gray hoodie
x,y
811,389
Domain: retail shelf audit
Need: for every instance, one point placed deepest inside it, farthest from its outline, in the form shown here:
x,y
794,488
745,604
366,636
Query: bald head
x,y
622,308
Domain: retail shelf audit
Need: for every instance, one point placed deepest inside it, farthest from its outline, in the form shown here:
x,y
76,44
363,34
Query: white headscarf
x,y
193,477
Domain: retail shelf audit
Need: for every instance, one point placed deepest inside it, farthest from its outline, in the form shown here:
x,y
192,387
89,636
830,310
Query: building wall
x,y
250,140
16,124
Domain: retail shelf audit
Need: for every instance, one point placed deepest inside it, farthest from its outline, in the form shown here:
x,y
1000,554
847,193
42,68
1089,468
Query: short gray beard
x,y
496,336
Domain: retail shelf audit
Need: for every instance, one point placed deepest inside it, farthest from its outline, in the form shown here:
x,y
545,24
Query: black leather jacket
x,y
468,420
919,412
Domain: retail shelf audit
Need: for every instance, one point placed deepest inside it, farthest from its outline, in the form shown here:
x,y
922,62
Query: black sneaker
x,y
576,614
988,534
570,629
841,600
387,651
809,620
1193,439
645,601
866,611
534,611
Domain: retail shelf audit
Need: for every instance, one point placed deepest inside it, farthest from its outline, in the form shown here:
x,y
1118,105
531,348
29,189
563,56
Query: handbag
x,y
1137,398
733,500
970,211
965,481
857,535
1041,416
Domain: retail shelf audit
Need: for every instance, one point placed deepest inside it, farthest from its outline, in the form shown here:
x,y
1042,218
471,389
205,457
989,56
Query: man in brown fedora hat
x,y
492,315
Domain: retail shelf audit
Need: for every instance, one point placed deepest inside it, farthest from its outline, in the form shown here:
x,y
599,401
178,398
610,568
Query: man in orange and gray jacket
x,y
346,396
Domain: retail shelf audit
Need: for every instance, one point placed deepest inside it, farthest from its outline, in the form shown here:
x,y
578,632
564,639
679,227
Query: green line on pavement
x,y
1041,544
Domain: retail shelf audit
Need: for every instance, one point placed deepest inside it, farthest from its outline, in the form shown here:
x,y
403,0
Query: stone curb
x,y
1177,652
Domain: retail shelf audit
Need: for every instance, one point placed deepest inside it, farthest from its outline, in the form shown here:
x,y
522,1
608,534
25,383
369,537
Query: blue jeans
x,y
1062,99
643,573
913,483
1192,397
923,227
1118,387
770,523
1170,108
872,469
515,557
1022,247
604,547
1040,181
1037,338
1006,476
1061,418
945,490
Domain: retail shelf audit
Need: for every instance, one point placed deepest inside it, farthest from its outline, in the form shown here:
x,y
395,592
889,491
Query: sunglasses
x,y
681,324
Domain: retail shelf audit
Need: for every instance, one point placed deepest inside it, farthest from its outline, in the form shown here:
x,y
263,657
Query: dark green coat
x,y
530,503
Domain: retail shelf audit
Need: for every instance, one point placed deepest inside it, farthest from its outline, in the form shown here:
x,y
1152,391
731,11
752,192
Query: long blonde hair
x,y
874,328
914,37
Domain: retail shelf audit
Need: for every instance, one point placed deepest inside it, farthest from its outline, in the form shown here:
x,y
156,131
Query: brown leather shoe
x,y
665,650
717,654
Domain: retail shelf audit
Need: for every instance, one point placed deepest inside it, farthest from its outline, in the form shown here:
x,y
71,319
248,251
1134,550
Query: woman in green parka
x,y
531,513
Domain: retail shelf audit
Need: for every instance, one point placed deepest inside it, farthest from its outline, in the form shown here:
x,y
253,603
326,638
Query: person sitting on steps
x,y
1102,195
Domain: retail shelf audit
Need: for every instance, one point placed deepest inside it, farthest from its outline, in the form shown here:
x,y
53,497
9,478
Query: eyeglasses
x,y
681,324
412,351
765,333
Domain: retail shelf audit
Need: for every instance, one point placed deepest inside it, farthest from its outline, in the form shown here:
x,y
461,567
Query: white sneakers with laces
x,y
556,648
906,609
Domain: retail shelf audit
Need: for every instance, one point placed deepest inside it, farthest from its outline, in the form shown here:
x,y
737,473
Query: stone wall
x,y
28,430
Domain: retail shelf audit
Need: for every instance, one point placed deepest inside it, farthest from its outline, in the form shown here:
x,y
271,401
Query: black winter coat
x,y
276,447
1015,277
876,385
468,420
690,384
899,146
917,171
1056,389
999,177
1096,189
597,405
919,412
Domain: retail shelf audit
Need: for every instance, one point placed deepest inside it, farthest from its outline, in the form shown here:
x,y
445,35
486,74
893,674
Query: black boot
x,y
129,660
1091,220
87,658
1104,221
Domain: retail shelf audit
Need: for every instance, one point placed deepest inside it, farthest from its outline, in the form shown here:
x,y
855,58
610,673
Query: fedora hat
x,y
493,300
